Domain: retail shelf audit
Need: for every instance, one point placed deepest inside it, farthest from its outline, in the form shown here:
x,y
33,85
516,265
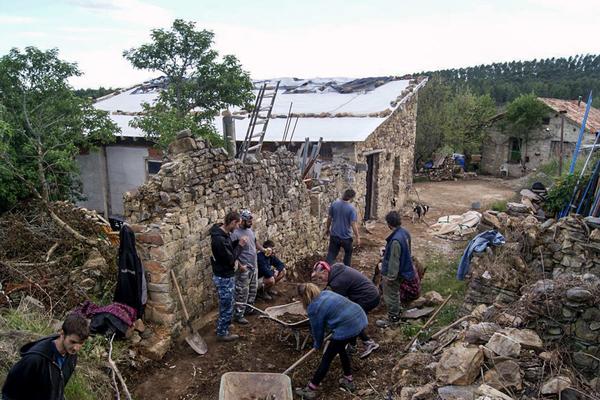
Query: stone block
x,y
527,338
459,365
150,238
504,375
453,392
555,385
503,345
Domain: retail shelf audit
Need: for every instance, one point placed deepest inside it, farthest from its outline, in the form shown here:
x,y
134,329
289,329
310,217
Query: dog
x,y
419,211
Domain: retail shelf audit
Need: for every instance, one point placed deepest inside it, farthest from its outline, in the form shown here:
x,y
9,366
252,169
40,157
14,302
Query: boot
x,y
227,338
392,321
241,320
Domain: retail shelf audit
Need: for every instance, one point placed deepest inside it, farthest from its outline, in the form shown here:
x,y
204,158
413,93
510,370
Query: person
x,y
224,255
47,364
341,223
246,276
270,269
348,282
345,319
401,282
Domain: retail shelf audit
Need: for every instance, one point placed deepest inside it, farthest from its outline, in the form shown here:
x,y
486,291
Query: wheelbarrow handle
x,y
252,307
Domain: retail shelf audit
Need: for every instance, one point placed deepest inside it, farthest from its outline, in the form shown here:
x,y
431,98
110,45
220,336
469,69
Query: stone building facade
x,y
500,148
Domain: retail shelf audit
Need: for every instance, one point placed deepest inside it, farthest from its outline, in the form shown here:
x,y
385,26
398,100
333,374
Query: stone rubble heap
x,y
534,319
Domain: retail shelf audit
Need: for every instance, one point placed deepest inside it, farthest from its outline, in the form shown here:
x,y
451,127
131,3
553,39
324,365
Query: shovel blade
x,y
197,343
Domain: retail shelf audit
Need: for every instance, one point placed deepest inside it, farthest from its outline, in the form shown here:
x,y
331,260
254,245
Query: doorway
x,y
372,189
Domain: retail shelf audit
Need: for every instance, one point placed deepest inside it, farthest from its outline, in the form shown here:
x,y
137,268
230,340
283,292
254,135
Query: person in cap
x,y
401,281
246,277
344,319
352,284
47,364
270,270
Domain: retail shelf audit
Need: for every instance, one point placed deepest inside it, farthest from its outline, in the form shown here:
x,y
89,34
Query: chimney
x,y
579,101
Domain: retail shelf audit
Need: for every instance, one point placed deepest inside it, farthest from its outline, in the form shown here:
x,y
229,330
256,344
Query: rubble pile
x,y
39,258
532,318
444,170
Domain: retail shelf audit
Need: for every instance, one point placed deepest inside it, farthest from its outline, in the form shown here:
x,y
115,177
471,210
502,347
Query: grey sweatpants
x,y
245,290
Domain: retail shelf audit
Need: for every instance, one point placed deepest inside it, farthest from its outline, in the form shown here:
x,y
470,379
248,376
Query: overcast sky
x,y
307,38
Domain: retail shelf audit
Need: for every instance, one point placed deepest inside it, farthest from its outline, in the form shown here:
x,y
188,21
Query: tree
x,y
431,118
199,84
43,126
467,117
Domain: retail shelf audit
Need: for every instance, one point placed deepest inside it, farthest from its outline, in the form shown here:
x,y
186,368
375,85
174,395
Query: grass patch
x,y
441,277
500,205
30,322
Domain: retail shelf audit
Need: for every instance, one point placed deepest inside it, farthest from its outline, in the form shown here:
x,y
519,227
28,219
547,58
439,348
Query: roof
x,y
336,109
575,111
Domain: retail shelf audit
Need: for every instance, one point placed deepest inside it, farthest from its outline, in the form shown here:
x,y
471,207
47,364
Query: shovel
x,y
192,337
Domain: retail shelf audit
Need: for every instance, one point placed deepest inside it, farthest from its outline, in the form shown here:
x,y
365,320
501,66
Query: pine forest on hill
x,y
456,105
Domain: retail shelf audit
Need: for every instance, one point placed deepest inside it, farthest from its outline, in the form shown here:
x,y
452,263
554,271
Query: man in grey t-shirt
x,y
246,275
341,223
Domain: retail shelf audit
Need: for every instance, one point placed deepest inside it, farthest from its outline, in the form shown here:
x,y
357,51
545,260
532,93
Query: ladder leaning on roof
x,y
256,118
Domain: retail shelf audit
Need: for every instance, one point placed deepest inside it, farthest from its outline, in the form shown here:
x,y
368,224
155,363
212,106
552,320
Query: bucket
x,y
255,386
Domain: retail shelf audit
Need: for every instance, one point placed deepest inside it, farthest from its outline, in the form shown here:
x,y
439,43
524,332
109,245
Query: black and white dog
x,y
419,211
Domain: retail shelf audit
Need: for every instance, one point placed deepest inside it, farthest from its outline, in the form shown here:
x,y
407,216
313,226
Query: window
x,y
514,150
546,121
153,166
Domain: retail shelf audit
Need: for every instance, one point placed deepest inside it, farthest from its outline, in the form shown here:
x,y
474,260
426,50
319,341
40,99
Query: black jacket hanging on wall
x,y
130,278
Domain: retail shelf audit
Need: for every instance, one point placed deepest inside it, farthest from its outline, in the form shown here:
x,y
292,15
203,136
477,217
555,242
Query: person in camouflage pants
x,y
225,289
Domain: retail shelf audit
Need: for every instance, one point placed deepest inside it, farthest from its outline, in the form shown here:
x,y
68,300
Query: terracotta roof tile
x,y
575,112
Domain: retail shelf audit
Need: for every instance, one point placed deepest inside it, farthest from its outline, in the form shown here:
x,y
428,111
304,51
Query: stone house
x,y
367,128
503,152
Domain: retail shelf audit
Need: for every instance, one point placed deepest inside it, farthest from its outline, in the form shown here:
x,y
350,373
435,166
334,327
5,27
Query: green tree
x,y
523,116
199,84
43,126
431,117
467,115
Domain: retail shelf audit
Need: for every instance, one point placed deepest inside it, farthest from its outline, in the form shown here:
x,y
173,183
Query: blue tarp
x,y
478,244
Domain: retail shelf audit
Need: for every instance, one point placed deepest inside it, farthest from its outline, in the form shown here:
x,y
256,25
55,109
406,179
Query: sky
x,y
308,38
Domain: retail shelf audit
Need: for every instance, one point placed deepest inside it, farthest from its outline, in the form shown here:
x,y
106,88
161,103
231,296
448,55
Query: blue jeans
x,y
335,243
225,289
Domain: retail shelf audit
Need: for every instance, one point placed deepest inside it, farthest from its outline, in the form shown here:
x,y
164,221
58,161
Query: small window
x,y
514,154
546,121
153,166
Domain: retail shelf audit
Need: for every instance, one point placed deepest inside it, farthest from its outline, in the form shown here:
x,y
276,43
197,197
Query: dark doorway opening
x,y
371,197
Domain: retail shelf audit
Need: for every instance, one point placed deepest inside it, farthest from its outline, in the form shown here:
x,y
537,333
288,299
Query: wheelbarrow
x,y
255,386
293,328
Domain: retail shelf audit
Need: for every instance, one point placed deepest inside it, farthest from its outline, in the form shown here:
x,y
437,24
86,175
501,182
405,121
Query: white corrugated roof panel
x,y
321,97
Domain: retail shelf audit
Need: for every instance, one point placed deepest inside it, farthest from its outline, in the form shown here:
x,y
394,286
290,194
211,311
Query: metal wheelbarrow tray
x,y
255,386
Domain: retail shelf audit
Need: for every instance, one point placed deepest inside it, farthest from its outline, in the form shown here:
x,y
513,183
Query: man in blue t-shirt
x,y
341,223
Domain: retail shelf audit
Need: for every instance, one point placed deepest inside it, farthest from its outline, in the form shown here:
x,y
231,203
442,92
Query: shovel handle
x,y
304,357
185,312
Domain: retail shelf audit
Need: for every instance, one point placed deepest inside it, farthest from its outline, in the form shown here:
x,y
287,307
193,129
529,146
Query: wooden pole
x,y
429,321
304,357
562,141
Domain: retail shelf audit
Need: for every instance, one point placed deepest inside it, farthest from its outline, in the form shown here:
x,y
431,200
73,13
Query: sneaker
x,y
370,346
350,349
228,338
241,321
347,385
306,393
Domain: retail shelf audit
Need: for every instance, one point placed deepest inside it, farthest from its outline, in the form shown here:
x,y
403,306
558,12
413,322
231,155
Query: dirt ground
x,y
185,375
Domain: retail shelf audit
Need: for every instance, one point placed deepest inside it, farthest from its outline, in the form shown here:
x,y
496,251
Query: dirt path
x,y
185,375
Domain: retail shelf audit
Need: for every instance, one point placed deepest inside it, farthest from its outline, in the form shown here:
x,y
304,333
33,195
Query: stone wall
x,y
395,141
173,212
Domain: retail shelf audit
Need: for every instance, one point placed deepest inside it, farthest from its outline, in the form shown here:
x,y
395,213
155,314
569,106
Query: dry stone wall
x,y
174,211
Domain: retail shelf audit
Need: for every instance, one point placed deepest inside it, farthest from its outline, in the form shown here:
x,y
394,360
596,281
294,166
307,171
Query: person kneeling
x,y
345,319
270,269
